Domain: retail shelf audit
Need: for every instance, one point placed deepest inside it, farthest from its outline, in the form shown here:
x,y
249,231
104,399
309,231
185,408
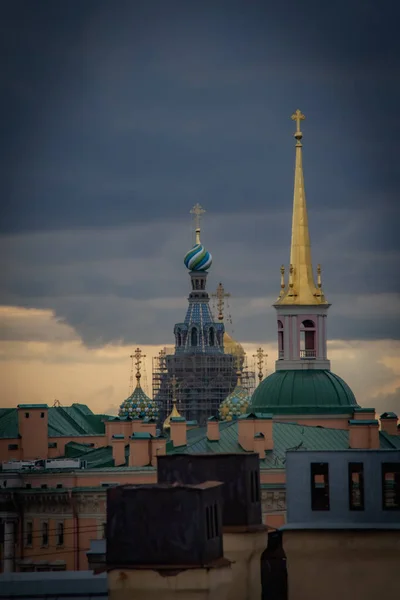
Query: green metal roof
x,y
389,415
95,457
363,422
32,406
8,423
73,420
286,436
309,391
389,441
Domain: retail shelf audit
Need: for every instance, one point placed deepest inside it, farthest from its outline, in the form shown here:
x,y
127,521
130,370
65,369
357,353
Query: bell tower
x,y
301,307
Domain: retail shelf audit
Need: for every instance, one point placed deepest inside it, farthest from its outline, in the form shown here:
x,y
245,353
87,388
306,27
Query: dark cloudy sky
x,y
118,116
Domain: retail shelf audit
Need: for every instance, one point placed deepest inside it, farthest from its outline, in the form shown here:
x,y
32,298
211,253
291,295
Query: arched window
x,y
211,337
178,338
281,343
193,337
307,340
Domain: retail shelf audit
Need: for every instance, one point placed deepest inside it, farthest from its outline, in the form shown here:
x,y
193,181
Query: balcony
x,y
308,354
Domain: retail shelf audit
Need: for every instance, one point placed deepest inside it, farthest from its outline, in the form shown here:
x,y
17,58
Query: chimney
x,y
264,425
389,423
364,434
246,431
213,429
158,448
118,449
139,449
259,444
33,430
178,431
364,414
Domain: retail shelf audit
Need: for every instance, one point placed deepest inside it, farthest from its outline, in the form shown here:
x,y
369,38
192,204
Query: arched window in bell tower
x,y
281,347
211,337
178,338
194,337
307,340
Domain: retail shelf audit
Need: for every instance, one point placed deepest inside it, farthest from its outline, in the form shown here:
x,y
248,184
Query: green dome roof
x,y
303,392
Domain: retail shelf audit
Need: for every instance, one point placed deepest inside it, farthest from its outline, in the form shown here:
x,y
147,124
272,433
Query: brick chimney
x,y
158,448
139,449
213,429
389,423
118,449
251,424
178,431
364,434
33,431
259,444
364,414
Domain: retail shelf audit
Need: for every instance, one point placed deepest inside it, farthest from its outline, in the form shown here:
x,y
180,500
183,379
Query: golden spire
x,y
260,355
174,412
301,288
197,211
220,295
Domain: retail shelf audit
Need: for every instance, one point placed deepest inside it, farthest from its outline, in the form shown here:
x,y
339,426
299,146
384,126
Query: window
x,y
356,486
45,533
320,486
254,487
281,343
28,486
52,445
26,415
42,415
211,337
29,534
391,486
13,446
178,338
44,486
193,337
212,522
60,534
307,340
59,485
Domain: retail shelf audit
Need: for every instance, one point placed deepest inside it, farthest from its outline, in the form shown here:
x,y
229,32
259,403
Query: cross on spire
x,y
260,355
220,295
174,385
197,211
298,116
138,361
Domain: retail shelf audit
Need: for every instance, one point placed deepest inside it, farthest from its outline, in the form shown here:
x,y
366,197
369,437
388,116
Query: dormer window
x,y
211,337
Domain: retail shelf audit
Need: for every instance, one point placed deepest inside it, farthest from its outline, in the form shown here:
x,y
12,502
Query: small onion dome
x,y
198,259
138,405
174,413
235,404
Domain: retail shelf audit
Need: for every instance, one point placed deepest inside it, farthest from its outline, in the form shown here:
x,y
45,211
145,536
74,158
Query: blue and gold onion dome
x,y
198,258
235,404
138,405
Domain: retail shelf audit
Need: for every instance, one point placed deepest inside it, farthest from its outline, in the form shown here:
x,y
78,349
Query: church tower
x,y
303,383
203,373
301,307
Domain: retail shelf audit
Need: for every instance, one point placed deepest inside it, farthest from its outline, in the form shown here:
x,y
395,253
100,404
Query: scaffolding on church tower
x,y
204,360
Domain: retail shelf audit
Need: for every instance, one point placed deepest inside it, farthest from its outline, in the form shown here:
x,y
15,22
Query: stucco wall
x,y
350,565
